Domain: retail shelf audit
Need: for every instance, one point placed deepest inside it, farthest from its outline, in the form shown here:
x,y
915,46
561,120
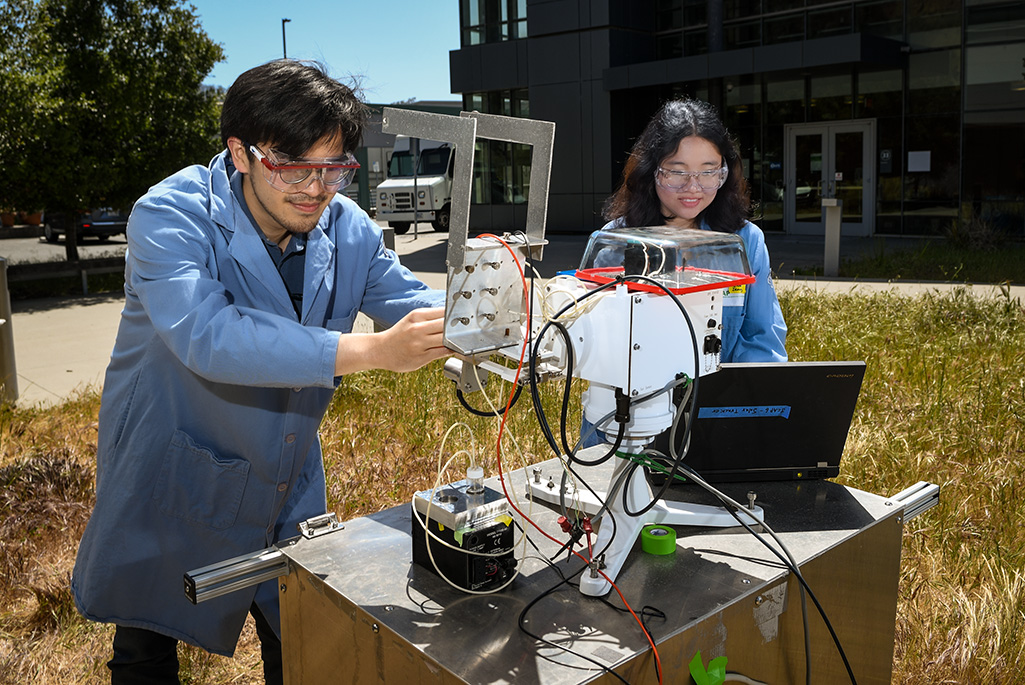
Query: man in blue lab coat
x,y
242,282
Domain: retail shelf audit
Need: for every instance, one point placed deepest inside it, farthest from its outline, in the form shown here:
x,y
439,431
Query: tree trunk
x,y
71,238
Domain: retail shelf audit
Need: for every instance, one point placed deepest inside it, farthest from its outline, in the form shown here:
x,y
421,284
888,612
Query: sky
x,y
398,48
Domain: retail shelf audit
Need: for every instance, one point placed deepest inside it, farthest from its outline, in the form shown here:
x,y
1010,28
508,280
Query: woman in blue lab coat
x,y
242,282
685,171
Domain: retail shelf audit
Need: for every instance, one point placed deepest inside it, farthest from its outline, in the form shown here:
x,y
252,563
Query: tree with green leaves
x,y
99,100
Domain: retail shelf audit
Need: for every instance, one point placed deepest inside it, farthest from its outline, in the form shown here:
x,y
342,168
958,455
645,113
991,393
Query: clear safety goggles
x,y
710,180
291,175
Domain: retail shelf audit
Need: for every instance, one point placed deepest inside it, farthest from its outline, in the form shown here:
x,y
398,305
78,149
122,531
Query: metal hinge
x,y
320,525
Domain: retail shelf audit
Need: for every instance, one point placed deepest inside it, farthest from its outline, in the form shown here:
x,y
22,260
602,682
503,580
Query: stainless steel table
x,y
356,610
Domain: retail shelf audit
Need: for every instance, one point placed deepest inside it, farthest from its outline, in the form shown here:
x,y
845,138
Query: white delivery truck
x,y
428,192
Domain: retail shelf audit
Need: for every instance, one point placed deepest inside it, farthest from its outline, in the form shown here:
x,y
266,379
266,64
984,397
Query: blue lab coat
x,y
753,330
208,444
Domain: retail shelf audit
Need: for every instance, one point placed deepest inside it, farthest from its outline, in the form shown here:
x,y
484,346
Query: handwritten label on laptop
x,y
780,410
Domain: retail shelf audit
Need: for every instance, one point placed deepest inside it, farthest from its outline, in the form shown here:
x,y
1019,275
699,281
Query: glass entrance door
x,y
829,161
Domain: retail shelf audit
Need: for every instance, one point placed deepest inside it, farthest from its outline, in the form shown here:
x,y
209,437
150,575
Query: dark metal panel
x,y
501,66
560,103
597,177
833,50
853,48
567,214
547,17
781,57
465,69
647,74
494,66
554,59
595,54
688,68
730,62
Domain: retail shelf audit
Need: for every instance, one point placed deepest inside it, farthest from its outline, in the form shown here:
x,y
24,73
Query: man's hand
x,y
411,343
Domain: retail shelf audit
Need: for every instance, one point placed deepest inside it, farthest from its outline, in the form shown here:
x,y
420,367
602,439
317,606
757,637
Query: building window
x,y
492,21
995,77
501,171
834,21
934,23
743,34
741,9
880,94
830,98
784,101
668,29
931,173
934,82
883,18
994,178
994,21
784,29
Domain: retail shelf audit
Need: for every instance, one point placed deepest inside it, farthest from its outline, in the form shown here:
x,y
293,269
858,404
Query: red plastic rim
x,y
600,275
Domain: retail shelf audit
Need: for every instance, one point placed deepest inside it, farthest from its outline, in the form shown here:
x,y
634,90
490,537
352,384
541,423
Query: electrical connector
x,y
622,407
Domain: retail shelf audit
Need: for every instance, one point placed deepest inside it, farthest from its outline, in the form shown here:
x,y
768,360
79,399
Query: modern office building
x,y
910,111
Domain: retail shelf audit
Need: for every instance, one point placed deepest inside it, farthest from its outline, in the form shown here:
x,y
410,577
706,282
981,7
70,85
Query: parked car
x,y
99,223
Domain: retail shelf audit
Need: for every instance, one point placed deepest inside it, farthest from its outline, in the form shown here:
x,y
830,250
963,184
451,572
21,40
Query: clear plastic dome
x,y
679,259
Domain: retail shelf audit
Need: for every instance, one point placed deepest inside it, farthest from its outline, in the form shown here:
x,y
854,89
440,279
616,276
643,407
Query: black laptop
x,y
772,421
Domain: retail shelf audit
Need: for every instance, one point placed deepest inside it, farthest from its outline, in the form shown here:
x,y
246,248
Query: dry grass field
x,y
943,401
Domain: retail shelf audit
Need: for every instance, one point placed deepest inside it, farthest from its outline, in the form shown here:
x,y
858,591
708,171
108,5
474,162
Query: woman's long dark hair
x,y
636,201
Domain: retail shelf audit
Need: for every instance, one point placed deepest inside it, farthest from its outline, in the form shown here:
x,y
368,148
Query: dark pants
x,y
143,657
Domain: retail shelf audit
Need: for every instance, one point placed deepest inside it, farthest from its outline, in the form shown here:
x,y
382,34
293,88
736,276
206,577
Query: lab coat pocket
x,y
732,321
197,486
342,323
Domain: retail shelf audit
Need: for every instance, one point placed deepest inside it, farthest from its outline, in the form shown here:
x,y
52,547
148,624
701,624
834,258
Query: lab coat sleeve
x,y
392,289
763,334
172,271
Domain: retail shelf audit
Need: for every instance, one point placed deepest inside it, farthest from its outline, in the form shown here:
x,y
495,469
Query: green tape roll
x,y
656,539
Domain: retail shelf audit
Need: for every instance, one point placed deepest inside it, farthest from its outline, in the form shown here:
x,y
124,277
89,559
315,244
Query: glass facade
x,y
950,124
491,21
947,106
501,171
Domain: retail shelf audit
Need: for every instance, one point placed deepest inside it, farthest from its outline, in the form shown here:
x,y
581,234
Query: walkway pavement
x,y
63,345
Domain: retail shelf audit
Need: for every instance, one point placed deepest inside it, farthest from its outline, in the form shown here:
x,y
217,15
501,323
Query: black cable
x,y
647,611
536,397
488,413
543,423
791,566
694,391
520,622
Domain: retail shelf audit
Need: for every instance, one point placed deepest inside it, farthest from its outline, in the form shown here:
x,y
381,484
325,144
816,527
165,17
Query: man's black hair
x,y
292,105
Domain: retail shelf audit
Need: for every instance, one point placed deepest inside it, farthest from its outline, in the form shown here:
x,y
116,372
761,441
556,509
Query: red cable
x,y
501,475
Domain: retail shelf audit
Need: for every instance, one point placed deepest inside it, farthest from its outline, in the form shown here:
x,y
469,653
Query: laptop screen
x,y
772,421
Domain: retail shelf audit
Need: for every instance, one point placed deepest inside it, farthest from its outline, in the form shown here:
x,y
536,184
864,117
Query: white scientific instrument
x,y
641,316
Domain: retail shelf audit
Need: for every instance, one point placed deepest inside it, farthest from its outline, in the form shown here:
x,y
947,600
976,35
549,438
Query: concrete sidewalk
x,y
62,345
